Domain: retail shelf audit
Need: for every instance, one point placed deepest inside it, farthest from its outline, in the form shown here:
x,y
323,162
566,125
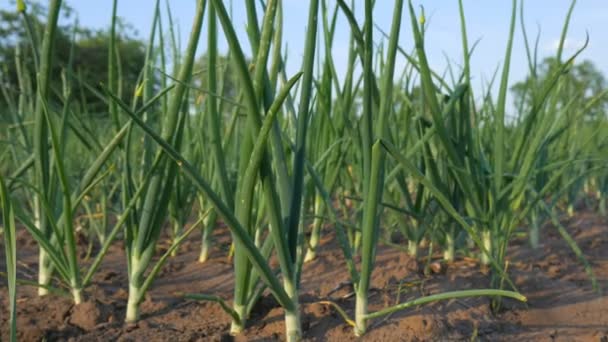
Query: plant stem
x,y
237,326
534,230
77,295
293,326
412,248
361,314
209,223
448,253
45,272
133,304
41,134
486,237
315,234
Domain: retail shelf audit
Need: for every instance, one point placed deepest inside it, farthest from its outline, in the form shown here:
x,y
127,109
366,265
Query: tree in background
x,y
88,50
582,82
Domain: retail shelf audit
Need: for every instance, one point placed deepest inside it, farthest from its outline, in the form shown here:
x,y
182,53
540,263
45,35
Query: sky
x,y
487,21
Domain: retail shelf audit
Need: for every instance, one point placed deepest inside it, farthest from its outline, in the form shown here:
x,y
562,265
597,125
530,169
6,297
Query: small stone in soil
x,y
86,316
130,327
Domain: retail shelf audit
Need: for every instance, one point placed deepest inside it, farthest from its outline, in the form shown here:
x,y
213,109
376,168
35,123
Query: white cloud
x,y
570,45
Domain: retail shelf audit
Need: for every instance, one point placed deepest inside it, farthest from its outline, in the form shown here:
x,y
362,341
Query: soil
x,y
562,305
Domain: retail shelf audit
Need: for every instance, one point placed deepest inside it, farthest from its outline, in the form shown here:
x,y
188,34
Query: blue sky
x,y
486,20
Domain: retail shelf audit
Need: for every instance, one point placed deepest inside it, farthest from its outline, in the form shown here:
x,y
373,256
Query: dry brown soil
x,y
561,303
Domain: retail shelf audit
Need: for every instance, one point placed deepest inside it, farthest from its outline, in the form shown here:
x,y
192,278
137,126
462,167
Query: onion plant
x,y
240,234
10,252
373,152
212,121
257,164
249,146
282,202
329,149
56,197
143,232
494,188
40,140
